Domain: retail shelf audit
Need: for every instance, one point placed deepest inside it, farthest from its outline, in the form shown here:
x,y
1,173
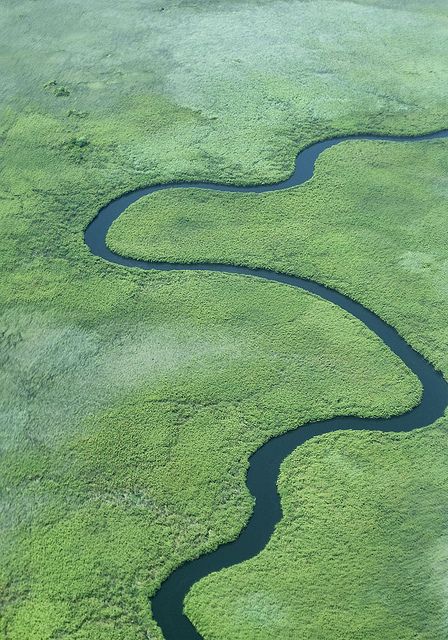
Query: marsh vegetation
x,y
130,402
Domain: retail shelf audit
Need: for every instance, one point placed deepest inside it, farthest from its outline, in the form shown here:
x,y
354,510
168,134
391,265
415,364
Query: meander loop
x,y
167,604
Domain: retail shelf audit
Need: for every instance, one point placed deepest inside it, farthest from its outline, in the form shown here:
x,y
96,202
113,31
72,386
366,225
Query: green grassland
x,y
129,432
131,401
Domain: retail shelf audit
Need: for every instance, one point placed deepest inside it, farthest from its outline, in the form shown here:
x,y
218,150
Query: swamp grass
x,y
131,401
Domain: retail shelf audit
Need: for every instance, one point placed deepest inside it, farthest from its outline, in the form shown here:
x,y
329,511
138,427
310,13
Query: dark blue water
x,y
167,604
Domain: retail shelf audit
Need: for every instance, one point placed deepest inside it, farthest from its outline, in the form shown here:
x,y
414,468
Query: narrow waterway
x,y
167,604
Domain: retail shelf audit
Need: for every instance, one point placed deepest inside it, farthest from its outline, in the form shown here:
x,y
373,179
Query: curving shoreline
x,y
167,604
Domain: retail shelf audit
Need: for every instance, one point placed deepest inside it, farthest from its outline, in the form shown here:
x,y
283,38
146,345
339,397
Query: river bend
x,y
167,604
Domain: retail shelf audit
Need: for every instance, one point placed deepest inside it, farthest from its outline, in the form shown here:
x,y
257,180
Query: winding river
x,y
167,604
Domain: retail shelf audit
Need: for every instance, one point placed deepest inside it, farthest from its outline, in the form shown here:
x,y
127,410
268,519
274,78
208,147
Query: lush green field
x,y
131,401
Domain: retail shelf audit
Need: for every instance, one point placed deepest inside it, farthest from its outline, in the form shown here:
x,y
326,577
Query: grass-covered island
x,y
130,401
